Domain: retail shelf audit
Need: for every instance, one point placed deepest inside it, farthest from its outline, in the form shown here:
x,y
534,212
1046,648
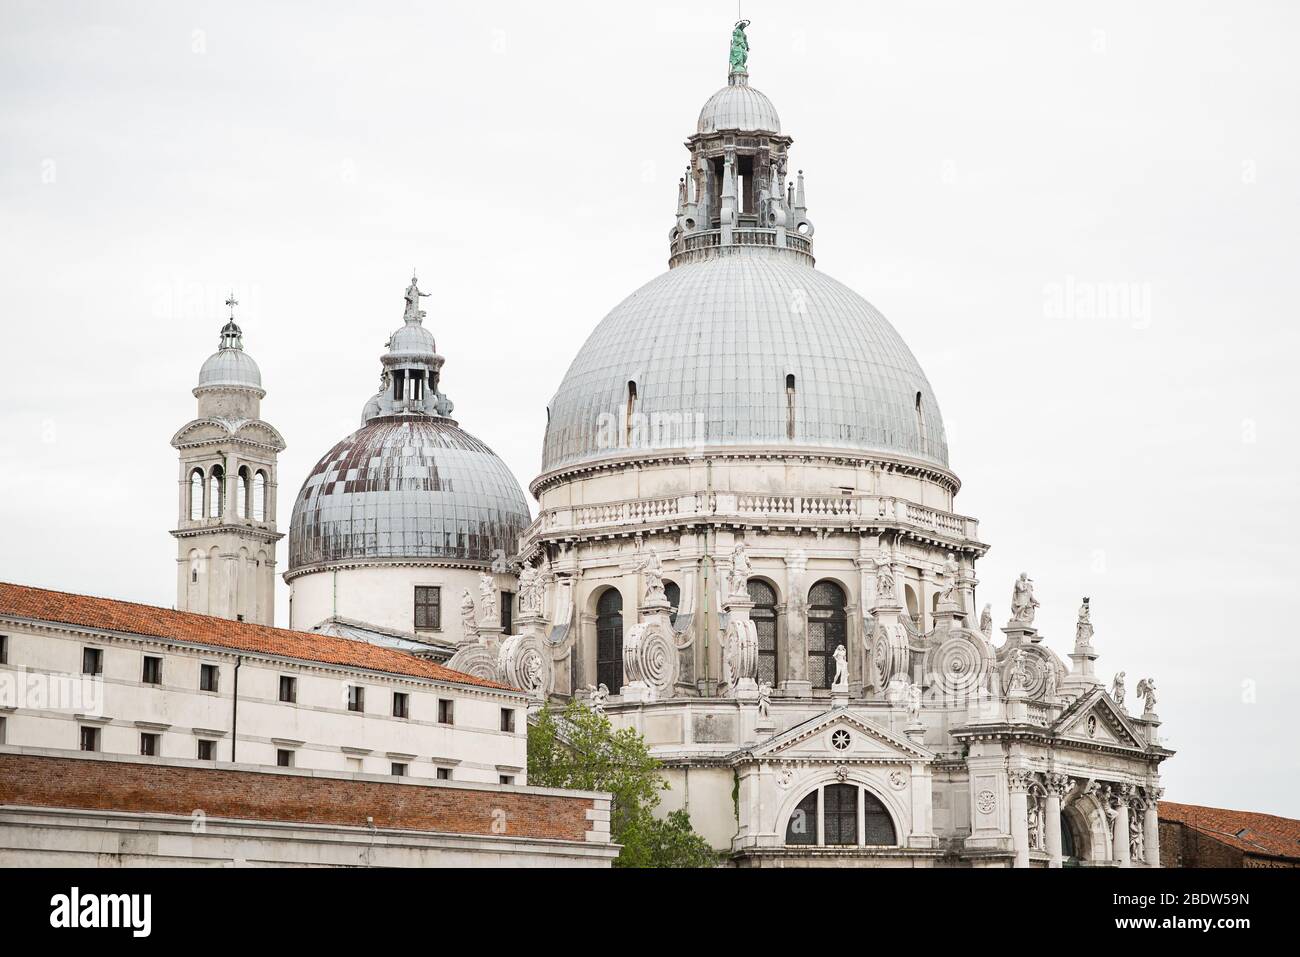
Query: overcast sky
x,y
1082,217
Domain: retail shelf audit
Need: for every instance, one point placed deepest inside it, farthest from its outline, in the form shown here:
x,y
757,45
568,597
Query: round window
x,y
840,740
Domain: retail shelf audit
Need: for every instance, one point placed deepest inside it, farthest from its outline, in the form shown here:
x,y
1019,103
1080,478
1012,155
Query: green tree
x,y
580,749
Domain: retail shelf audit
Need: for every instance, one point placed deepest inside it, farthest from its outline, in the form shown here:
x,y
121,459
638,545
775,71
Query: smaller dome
x,y
739,106
230,367
412,339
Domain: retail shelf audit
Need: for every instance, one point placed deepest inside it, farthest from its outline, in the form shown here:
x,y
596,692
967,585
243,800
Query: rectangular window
x,y
399,769
356,698
401,705
152,674
89,739
444,774
2,729
283,758
508,720
208,675
507,779
508,611
149,745
207,750
4,649
428,608
92,661
288,689
446,711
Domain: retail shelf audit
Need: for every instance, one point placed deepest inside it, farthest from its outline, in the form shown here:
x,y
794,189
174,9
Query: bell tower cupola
x,y
225,531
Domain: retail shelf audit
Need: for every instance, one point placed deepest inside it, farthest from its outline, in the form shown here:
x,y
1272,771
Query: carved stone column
x,y
1057,787
1018,780
1120,833
796,626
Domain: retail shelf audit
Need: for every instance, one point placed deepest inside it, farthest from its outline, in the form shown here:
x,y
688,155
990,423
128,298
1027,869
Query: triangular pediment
x,y
1095,719
840,735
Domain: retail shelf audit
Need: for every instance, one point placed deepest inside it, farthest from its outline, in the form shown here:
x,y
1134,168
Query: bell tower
x,y
225,532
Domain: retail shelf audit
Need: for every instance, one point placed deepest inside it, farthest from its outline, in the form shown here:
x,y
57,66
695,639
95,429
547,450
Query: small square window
x,y
152,673
444,774
401,705
92,661
446,711
356,698
288,689
207,750
508,720
89,739
208,675
283,758
149,745
507,779
428,608
399,769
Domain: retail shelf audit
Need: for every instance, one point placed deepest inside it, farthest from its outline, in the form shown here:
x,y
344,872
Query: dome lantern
x,y
411,368
735,193
230,367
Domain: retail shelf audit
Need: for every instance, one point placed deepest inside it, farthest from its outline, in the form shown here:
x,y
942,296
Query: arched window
x,y
827,630
913,606
259,497
673,592
196,495
609,640
243,494
764,618
802,828
839,812
1068,849
216,488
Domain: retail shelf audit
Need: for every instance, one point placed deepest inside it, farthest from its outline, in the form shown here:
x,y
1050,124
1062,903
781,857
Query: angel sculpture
x,y
1146,689
1117,690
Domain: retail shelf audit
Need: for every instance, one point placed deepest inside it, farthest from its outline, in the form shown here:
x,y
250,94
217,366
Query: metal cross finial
x,y
232,302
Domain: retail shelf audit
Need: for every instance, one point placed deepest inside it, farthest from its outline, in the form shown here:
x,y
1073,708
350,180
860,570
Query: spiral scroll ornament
x,y
957,665
525,663
475,660
650,657
1035,663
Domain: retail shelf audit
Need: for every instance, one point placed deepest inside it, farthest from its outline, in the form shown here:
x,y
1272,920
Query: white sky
x,y
967,163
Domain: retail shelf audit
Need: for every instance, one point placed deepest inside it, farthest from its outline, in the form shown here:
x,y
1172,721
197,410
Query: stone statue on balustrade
x,y
948,580
1146,690
468,616
741,569
653,570
1083,630
488,613
1117,690
841,682
1023,603
530,591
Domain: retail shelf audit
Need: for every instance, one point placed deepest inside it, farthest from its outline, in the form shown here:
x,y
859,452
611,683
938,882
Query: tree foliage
x,y
580,750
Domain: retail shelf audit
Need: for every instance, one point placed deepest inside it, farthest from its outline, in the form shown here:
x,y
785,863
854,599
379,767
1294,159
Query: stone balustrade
x,y
757,509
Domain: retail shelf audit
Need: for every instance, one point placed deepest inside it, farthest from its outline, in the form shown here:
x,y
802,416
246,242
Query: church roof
x,y
125,617
1249,831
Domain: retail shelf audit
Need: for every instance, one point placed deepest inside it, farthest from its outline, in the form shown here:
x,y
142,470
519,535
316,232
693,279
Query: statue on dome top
x,y
739,47
413,295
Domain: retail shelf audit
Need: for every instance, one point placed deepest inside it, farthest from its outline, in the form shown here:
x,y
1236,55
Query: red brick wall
x,y
1182,846
106,785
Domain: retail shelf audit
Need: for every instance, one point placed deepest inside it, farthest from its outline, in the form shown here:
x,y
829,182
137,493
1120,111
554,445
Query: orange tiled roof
x,y
108,614
1249,831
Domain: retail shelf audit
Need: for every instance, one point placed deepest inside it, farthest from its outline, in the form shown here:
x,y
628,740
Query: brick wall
x,y
1182,846
107,785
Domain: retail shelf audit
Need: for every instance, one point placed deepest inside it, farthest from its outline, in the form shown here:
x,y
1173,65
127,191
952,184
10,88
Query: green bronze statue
x,y
739,47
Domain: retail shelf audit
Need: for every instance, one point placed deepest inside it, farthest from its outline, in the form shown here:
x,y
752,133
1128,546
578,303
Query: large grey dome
x,y
710,346
411,488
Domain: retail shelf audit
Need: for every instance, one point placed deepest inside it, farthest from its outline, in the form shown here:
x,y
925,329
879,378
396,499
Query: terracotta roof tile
x,y
107,614
1249,831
